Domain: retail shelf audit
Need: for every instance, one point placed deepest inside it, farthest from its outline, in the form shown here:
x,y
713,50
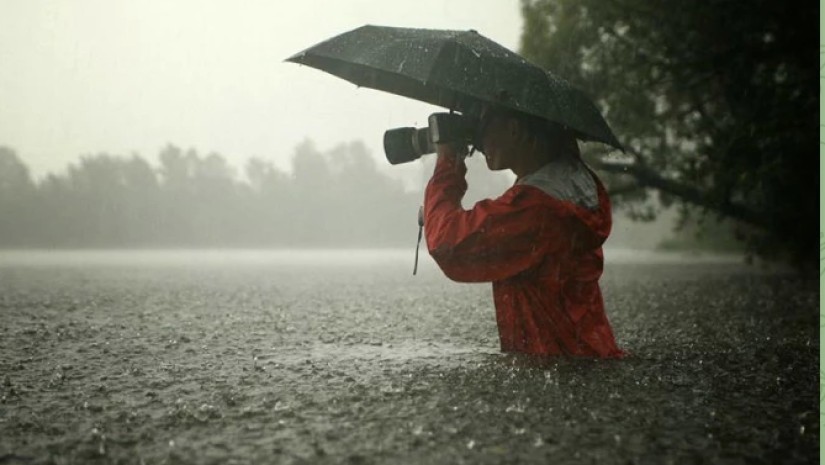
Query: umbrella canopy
x,y
459,70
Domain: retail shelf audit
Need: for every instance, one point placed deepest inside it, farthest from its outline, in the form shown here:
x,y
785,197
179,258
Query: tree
x,y
17,199
215,207
270,202
98,187
714,100
142,197
369,207
176,174
311,180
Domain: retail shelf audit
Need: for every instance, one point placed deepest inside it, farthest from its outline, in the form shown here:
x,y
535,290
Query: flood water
x,y
345,357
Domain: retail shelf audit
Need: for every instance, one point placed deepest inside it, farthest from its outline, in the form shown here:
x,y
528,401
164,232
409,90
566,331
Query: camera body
x,y
402,145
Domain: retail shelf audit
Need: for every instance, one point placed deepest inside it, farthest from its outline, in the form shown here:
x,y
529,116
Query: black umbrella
x,y
459,70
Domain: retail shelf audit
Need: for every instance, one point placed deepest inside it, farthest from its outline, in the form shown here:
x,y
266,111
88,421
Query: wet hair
x,y
554,138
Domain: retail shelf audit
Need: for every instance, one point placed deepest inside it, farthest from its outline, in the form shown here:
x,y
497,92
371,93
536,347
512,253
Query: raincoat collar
x,y
565,178
574,190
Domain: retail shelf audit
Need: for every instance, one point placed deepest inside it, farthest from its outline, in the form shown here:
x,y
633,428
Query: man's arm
x,y
495,239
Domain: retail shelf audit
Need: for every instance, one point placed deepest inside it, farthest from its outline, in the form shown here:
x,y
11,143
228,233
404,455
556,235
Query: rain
x,y
205,256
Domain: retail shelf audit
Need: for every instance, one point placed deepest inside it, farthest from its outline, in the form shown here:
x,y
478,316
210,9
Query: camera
x,y
402,145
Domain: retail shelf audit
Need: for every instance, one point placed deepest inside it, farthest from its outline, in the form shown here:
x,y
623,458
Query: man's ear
x,y
517,130
514,128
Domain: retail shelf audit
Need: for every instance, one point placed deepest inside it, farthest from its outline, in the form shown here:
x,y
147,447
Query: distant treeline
x,y
338,198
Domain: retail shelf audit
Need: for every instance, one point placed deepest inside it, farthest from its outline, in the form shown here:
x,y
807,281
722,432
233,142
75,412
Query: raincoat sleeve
x,y
494,240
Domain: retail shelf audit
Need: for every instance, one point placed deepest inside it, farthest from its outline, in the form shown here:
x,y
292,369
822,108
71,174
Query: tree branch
x,y
623,190
646,177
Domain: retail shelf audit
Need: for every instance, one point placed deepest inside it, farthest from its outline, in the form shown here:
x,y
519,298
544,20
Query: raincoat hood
x,y
575,192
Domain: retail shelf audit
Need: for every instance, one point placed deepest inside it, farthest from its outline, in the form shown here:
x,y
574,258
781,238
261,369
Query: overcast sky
x,y
122,76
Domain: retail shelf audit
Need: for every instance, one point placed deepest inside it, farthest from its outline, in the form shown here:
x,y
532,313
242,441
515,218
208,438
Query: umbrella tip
x,y
297,57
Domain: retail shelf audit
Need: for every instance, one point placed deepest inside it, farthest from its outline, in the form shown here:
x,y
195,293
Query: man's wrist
x,y
451,151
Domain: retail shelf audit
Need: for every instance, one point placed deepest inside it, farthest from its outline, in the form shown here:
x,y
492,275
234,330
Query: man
x,y
539,243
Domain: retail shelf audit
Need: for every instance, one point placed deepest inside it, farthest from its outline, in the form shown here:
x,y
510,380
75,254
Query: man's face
x,y
498,142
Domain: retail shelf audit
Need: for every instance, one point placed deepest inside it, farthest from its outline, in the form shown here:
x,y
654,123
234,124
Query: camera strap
x,y
420,233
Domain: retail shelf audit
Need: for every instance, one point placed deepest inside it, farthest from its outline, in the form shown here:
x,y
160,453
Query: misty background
x,y
160,124
333,198
184,221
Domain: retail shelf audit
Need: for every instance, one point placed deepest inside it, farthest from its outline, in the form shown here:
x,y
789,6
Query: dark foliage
x,y
716,101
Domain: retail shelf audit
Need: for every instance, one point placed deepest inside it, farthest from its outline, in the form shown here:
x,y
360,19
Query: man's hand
x,y
453,151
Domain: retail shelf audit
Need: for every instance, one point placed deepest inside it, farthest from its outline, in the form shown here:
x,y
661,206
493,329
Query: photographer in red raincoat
x,y
540,243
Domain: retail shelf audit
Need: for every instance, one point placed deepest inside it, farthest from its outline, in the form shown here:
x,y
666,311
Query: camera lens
x,y
402,145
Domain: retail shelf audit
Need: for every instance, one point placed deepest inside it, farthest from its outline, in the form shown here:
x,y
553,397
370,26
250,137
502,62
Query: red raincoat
x,y
543,256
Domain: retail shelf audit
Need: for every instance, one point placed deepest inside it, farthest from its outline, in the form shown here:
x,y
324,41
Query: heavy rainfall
x,y
218,267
